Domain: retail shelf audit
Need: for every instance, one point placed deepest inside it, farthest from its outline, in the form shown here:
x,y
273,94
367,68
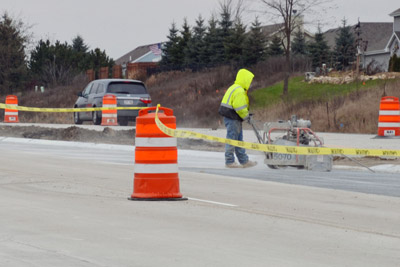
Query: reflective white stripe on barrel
x,y
109,105
155,141
389,124
155,168
109,115
389,112
11,113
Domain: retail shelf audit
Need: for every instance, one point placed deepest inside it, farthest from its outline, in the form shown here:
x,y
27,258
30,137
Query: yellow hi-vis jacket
x,y
235,103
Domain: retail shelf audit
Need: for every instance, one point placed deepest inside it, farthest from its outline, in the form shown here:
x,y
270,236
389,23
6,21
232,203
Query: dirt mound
x,y
73,133
107,136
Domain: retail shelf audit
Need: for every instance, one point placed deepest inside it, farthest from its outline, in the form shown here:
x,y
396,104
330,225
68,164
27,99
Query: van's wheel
x,y
95,118
77,120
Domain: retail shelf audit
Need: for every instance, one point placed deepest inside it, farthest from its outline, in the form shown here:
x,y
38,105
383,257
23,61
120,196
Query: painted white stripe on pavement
x,y
156,168
212,202
155,142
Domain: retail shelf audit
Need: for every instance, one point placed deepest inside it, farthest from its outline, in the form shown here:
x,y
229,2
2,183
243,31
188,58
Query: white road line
x,y
212,202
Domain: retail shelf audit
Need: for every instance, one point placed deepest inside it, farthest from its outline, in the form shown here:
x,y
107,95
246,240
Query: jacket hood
x,y
244,78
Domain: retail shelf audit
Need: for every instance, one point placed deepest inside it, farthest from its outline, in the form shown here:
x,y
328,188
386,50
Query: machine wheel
x,y
272,166
77,120
278,166
95,118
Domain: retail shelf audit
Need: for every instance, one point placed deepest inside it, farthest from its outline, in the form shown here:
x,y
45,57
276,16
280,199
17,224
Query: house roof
x,y
395,13
376,33
134,54
268,30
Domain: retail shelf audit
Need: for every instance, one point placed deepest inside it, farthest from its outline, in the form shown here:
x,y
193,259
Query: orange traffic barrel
x,y
109,117
389,117
156,158
11,115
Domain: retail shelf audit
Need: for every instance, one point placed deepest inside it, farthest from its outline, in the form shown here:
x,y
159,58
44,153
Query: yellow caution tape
x,y
31,109
298,150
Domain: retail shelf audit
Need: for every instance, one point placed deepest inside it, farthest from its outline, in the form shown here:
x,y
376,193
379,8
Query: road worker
x,y
235,109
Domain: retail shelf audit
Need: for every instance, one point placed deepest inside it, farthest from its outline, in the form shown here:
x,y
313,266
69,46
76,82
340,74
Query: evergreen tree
x,y
98,59
79,45
225,31
212,44
52,64
394,63
80,58
345,50
235,42
196,47
58,63
13,70
275,48
183,43
40,56
319,50
171,50
255,45
299,46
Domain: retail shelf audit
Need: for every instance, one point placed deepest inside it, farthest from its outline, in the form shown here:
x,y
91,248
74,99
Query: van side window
x,y
87,89
100,89
94,88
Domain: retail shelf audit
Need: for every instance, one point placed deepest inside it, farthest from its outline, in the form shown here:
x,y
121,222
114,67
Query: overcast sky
x,y
119,26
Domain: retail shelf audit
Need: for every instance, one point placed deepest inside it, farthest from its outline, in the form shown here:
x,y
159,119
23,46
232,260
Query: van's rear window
x,y
126,88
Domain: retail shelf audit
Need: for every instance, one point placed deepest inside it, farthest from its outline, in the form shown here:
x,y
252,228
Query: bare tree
x,y
290,11
234,8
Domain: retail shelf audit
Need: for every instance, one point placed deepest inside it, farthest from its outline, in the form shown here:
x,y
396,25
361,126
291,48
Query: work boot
x,y
249,164
233,165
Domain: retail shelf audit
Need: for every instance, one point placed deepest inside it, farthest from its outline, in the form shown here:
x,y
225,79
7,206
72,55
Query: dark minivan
x,y
129,93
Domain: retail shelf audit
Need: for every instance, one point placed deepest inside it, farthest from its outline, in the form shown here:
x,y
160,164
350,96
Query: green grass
x,y
300,91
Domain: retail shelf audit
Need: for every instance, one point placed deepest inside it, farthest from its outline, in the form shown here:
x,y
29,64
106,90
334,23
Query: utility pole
x,y
358,42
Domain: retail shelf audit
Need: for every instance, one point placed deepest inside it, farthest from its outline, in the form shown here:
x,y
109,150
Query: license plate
x,y
128,102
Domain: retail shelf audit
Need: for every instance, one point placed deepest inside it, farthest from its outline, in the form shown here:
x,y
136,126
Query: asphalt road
x,y
361,180
65,204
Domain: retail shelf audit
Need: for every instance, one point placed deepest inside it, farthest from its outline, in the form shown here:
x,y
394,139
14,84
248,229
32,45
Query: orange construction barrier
x,y
389,117
156,158
109,117
11,115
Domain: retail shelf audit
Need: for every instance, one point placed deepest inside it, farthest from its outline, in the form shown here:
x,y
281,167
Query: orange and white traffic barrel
x,y
109,117
389,117
11,115
156,158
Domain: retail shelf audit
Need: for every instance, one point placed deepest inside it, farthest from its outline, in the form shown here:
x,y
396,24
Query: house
x,y
378,41
270,31
136,62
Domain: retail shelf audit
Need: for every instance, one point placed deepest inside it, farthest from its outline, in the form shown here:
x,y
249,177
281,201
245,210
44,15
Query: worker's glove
x,y
249,119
